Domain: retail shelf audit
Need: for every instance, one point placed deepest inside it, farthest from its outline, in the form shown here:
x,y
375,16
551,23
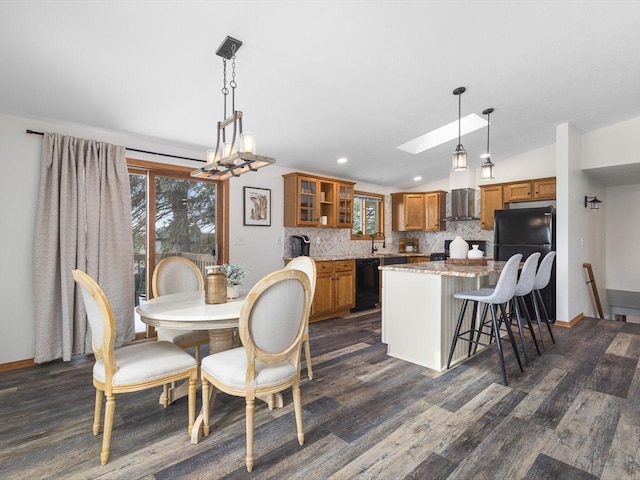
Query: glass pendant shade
x,y
459,159
211,156
247,143
486,170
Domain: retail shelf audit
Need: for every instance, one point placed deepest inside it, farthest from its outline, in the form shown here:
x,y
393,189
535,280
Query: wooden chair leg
x,y
249,413
108,426
193,381
97,413
197,352
297,405
165,395
307,357
205,406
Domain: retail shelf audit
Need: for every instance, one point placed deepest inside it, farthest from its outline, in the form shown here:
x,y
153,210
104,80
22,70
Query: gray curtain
x,y
83,221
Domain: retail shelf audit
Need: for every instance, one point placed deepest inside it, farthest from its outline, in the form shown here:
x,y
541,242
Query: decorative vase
x,y
233,291
458,248
215,283
474,252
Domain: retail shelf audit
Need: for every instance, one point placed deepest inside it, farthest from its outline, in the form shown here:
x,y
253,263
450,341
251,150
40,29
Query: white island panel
x,y
419,312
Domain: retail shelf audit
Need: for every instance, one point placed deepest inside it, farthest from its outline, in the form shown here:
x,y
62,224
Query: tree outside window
x,y
368,215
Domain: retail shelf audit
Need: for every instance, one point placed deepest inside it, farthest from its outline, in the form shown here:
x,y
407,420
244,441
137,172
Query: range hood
x,y
462,204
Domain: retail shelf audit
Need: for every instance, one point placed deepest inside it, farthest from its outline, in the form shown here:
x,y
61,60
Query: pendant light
x,y
459,157
236,155
486,169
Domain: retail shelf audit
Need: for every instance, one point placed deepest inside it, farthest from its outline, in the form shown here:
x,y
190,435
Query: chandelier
x,y
236,154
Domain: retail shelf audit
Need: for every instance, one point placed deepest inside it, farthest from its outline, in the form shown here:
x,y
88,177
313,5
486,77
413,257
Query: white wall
x,y
617,144
623,228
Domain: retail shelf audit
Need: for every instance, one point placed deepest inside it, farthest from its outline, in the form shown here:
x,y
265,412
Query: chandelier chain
x,y
233,82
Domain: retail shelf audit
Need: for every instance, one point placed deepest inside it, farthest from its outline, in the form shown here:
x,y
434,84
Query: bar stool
x,y
501,294
524,288
543,277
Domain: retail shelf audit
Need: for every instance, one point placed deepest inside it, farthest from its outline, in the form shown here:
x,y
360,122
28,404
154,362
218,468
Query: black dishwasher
x,y
367,284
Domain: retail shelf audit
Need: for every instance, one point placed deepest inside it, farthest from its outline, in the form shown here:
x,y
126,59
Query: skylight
x,y
468,124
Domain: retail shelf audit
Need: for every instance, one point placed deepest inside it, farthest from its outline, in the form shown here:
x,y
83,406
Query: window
x,y
173,214
368,215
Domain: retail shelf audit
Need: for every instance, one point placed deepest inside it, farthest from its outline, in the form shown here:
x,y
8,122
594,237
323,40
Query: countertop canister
x,y
458,248
215,290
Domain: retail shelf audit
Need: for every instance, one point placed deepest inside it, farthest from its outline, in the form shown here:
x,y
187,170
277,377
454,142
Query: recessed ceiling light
x,y
417,179
468,124
342,160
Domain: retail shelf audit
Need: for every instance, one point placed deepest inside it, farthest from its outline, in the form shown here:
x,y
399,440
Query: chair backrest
x,y
175,275
274,317
101,321
307,265
544,271
527,275
506,286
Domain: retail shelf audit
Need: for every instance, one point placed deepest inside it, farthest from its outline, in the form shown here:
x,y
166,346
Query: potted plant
x,y
235,273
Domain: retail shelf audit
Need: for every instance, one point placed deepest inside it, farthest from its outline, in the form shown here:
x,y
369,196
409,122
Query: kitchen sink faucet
x,y
374,249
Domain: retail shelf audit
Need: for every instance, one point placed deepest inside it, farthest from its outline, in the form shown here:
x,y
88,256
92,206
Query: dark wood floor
x,y
573,414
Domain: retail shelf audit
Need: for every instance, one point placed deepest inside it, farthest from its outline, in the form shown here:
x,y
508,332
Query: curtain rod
x,y
33,132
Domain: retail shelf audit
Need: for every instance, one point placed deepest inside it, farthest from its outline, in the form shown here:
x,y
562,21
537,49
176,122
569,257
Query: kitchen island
x,y
419,312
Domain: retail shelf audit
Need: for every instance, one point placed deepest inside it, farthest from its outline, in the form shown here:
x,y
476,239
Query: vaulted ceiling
x,y
319,80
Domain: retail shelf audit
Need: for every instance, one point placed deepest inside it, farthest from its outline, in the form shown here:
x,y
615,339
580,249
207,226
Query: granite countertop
x,y
444,269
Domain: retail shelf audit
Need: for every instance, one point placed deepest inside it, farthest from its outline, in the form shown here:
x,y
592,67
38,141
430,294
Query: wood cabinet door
x,y
414,211
345,206
517,192
323,301
344,290
435,206
308,204
490,201
544,189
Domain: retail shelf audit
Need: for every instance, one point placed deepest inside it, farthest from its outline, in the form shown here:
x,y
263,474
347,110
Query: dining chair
x,y
307,265
175,275
499,296
131,368
272,322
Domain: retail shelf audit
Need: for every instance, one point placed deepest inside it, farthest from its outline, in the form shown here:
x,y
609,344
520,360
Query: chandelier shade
x,y
459,157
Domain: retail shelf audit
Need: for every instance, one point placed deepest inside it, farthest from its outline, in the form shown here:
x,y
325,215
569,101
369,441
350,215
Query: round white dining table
x,y
188,311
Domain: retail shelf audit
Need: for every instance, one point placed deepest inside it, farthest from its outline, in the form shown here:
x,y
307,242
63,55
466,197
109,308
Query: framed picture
x,y
257,206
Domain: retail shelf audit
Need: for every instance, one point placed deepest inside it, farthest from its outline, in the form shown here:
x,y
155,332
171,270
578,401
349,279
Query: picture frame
x,y
257,206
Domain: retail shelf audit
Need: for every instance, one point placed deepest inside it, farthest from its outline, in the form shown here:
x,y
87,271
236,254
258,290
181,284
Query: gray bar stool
x,y
543,277
501,294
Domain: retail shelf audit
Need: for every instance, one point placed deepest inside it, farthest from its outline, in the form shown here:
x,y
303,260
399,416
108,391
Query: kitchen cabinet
x,y
544,189
491,199
435,206
517,192
407,212
494,197
335,289
345,205
311,201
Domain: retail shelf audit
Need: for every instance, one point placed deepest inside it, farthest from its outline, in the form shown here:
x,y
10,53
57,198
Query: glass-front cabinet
x,y
308,205
311,201
345,205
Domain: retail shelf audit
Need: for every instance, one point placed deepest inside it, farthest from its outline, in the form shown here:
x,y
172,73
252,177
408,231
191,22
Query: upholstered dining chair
x,y
272,322
307,265
131,368
175,275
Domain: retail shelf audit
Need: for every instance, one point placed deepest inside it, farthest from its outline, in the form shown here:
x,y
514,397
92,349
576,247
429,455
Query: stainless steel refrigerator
x,y
525,231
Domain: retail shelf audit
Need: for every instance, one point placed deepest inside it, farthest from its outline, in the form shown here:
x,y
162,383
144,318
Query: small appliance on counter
x,y
300,245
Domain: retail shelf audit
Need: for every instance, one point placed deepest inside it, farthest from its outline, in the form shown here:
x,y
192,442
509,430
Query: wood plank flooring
x,y
573,414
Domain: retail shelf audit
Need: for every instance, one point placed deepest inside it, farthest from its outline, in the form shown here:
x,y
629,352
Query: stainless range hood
x,y
462,204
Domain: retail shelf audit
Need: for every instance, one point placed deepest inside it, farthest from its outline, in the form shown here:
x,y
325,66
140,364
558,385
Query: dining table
x,y
189,311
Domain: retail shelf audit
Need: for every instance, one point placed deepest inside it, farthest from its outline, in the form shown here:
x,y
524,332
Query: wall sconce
x,y
593,202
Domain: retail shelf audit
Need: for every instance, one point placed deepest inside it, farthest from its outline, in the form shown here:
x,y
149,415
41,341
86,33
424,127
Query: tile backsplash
x,y
337,241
